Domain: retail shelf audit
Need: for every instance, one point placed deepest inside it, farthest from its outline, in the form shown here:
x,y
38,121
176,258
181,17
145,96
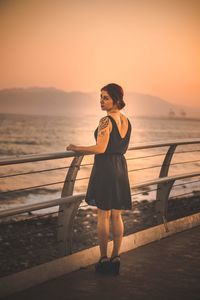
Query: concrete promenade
x,y
166,269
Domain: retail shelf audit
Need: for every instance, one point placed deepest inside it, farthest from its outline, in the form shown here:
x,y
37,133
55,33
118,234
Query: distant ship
x,y
172,114
182,113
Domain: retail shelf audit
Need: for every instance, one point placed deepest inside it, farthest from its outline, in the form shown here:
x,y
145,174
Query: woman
x,y
108,187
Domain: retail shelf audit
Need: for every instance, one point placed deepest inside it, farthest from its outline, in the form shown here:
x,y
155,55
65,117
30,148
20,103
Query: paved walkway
x,y
166,269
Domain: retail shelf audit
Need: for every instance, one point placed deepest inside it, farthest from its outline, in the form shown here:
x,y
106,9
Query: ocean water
x,y
22,134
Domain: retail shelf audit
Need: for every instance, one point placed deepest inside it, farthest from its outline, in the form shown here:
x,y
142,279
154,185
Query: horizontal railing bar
x,y
38,206
36,157
185,183
176,196
146,168
40,171
157,166
146,156
163,144
182,162
67,154
33,172
160,154
30,188
69,199
166,179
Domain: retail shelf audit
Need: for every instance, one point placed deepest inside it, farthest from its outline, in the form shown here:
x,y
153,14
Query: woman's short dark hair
x,y
116,92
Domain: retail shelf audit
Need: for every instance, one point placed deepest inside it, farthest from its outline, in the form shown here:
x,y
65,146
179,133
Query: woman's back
x,y
122,123
119,137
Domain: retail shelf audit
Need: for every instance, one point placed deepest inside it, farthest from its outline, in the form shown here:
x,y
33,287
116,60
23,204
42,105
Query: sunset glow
x,y
150,46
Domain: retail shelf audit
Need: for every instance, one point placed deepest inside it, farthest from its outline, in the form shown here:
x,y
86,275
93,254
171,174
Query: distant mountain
x,y
148,105
44,101
51,101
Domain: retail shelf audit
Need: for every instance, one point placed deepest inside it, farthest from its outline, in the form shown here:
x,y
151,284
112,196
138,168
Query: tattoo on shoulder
x,y
103,123
102,132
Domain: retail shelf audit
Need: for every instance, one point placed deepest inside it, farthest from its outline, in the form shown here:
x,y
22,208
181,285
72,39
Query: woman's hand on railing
x,y
71,147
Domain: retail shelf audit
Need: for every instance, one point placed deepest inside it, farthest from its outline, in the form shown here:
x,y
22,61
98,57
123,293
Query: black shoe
x,y
115,265
102,266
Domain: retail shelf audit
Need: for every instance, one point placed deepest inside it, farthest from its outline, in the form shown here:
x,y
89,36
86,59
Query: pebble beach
x,y
32,240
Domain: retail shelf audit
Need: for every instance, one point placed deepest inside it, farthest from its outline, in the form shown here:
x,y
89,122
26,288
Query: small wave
x,y
5,153
38,191
21,142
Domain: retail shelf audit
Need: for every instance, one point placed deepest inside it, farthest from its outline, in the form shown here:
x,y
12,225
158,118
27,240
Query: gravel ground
x,y
30,242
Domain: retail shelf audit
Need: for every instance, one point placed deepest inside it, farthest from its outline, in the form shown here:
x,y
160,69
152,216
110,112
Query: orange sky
x,y
147,46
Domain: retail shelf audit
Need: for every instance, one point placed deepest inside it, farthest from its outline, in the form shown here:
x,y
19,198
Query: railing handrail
x,y
69,203
17,159
70,199
40,205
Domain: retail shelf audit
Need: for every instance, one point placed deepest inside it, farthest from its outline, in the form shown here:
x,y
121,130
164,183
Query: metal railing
x,y
69,203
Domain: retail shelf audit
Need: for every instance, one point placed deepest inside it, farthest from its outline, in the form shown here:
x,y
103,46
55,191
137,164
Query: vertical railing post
x,y
67,212
163,189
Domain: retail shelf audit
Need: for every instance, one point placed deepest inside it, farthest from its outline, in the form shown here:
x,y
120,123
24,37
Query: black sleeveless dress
x,y
108,186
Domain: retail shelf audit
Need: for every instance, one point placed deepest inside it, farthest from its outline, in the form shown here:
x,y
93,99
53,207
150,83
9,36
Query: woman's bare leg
x,y
117,229
103,227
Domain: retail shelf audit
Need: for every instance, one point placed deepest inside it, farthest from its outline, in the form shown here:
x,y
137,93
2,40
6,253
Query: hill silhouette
x,y
52,101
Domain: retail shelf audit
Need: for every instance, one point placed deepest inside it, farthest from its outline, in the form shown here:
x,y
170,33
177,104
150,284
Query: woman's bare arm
x,y
102,140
